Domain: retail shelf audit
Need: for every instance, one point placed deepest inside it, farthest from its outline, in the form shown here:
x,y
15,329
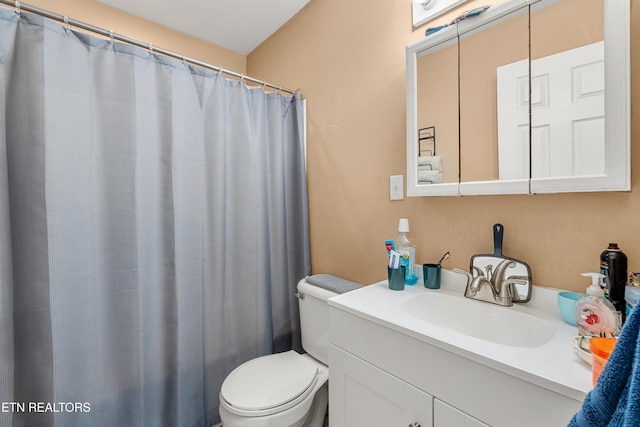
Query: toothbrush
x,y
444,257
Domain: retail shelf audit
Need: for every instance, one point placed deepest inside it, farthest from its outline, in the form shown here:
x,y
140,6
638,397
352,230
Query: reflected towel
x,y
434,161
429,176
615,400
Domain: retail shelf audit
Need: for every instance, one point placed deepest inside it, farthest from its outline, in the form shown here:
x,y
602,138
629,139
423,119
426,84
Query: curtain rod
x,y
19,6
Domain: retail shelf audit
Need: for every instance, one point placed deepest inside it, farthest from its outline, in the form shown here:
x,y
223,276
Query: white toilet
x,y
285,389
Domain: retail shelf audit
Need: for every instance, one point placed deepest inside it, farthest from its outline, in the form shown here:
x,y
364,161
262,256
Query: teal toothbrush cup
x,y
431,274
396,278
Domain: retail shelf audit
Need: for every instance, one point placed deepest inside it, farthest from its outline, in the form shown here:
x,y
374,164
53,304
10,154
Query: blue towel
x,y
615,400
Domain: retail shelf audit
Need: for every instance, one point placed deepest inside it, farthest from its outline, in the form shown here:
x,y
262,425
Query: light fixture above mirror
x,y
427,10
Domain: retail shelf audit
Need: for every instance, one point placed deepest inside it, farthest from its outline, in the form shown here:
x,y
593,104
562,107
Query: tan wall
x,y
99,15
349,60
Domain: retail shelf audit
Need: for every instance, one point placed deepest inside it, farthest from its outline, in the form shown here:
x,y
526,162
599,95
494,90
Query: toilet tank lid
x,y
332,283
268,381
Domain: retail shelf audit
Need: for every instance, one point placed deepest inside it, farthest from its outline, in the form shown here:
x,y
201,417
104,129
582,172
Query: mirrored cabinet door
x,y
438,147
432,123
579,60
567,72
494,101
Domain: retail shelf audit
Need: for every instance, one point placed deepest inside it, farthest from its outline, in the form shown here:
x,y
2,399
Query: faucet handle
x,y
478,271
464,273
510,283
505,290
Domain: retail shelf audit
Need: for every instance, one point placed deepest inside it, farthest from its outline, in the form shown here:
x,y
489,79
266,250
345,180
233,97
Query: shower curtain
x,y
153,227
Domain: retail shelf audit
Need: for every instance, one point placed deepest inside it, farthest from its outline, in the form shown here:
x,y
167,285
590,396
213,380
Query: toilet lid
x,y
269,381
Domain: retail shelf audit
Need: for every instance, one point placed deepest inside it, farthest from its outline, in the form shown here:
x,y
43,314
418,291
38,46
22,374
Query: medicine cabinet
x,y
531,96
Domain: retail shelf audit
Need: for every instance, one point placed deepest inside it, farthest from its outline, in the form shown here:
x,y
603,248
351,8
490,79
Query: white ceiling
x,y
238,25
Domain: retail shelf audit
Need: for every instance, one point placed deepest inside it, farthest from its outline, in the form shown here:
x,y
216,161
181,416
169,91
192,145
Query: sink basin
x,y
481,320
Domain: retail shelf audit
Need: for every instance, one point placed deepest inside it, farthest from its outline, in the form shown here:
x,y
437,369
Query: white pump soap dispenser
x,y
595,315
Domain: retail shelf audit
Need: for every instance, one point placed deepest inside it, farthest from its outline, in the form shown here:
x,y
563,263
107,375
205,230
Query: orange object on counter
x,y
601,349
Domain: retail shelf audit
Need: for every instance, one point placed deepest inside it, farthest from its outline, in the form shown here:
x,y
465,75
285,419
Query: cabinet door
x,y
361,394
447,416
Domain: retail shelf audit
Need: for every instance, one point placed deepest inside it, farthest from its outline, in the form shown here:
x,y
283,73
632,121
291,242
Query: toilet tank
x,y
314,320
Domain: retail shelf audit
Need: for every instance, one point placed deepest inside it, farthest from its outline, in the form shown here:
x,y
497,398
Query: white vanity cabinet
x,y
364,395
368,396
386,371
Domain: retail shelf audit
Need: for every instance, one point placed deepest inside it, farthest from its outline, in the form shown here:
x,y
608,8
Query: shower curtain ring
x,y
17,6
150,48
111,36
67,27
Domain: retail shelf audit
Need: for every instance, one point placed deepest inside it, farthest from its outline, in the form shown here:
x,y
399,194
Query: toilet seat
x,y
269,384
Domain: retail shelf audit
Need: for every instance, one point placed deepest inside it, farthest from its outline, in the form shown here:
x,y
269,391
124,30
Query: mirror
x,y
494,144
489,266
580,96
437,117
433,127
567,90
498,151
503,272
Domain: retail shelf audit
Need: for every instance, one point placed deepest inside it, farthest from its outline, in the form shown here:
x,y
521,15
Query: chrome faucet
x,y
498,276
493,288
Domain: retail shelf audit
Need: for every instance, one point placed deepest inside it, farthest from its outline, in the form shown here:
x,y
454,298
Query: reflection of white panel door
x,y
567,114
513,120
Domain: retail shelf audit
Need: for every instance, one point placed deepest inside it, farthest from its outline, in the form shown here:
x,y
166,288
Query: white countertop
x,y
554,365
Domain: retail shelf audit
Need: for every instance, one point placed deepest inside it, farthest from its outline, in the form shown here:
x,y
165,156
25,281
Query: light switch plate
x,y
396,187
